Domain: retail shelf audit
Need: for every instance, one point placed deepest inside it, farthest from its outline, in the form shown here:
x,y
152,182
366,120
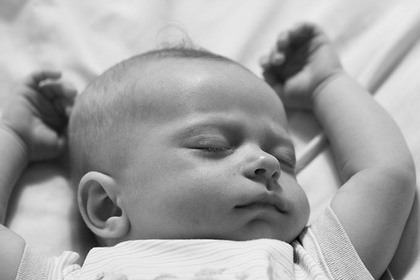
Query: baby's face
x,y
214,160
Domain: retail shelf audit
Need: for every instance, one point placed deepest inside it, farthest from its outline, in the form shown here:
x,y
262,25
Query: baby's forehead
x,y
170,87
180,74
171,79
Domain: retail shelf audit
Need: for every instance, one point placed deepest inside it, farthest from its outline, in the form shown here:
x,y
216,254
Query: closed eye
x,y
288,163
211,144
287,160
214,149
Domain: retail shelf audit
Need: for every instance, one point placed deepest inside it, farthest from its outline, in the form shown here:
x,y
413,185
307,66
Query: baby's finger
x,y
52,143
303,33
36,78
277,58
283,41
46,111
53,90
62,95
69,91
64,109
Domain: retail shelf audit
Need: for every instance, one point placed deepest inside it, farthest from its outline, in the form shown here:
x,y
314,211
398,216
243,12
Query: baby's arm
x,y
32,128
371,154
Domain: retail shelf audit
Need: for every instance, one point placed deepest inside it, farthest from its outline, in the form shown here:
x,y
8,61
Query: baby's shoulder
x,y
326,245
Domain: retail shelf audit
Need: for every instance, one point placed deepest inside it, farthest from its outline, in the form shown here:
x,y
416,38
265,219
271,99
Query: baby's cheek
x,y
204,206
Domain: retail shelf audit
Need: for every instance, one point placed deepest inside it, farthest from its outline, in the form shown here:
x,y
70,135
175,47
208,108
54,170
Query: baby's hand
x,y
299,64
38,114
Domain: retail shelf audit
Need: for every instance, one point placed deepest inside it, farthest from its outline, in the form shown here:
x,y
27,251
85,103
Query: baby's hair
x,y
180,51
101,118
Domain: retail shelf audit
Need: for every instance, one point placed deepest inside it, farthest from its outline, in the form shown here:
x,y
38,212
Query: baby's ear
x,y
98,203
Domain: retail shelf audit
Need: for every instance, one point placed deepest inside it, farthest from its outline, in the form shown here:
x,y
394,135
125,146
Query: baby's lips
x,y
267,198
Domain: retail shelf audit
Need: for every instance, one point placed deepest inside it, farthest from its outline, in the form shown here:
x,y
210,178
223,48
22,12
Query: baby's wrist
x,y
320,87
12,139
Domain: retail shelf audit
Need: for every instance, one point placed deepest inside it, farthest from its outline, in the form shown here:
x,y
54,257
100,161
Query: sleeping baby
x,y
185,169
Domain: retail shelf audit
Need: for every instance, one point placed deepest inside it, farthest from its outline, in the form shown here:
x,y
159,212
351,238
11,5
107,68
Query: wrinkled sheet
x,y
378,41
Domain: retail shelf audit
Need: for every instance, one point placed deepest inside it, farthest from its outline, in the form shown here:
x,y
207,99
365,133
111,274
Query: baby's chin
x,y
258,229
262,230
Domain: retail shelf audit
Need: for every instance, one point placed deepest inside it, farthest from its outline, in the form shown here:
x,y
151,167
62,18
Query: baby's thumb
x,y
48,145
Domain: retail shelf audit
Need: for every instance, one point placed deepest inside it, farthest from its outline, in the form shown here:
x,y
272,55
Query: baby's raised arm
x,y
32,128
371,154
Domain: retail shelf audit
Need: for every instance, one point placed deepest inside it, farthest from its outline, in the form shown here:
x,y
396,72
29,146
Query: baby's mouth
x,y
265,201
257,206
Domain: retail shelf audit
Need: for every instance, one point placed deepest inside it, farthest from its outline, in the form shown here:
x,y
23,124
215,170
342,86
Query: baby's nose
x,y
264,166
268,172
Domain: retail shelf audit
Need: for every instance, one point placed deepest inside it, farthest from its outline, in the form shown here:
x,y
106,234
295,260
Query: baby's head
x,y
181,144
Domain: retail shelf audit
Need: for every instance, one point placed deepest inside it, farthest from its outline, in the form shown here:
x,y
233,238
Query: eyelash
x,y
214,149
220,148
285,163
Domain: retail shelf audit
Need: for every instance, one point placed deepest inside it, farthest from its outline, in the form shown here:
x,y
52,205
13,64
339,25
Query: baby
x,y
186,170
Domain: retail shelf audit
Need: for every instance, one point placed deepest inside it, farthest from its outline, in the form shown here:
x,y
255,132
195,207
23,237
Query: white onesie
x,y
322,251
